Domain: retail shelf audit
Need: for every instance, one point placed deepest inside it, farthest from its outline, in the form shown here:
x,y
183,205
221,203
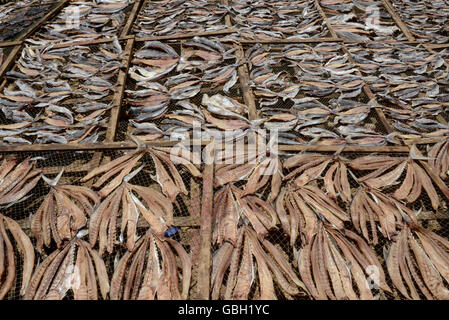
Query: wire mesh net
x,y
77,165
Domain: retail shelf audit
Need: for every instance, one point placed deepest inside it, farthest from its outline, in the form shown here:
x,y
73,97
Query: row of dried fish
x,y
361,21
273,19
409,81
243,222
164,18
167,81
84,20
427,20
333,262
297,76
16,18
59,95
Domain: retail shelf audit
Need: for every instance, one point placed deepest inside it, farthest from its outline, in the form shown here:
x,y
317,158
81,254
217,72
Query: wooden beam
x,y
9,61
131,18
86,42
244,79
388,127
387,4
10,43
188,35
120,89
205,256
347,148
129,145
281,41
323,15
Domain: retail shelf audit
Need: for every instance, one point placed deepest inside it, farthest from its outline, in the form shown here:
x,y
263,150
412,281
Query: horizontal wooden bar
x,y
118,145
309,40
188,35
10,43
9,60
324,148
86,42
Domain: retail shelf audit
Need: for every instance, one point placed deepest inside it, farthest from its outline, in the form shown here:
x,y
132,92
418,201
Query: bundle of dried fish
x,y
300,208
59,95
337,265
242,260
63,213
427,20
17,17
415,180
165,18
367,22
8,258
439,158
150,271
84,20
233,207
381,211
417,263
124,203
306,167
273,19
75,267
171,183
17,179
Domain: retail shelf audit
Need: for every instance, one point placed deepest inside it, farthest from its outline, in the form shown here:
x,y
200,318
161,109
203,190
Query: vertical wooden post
x,y
205,257
118,97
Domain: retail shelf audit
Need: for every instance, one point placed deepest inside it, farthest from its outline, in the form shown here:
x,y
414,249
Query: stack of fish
x,y
163,18
297,76
426,19
168,82
59,95
274,19
84,20
410,81
18,17
361,21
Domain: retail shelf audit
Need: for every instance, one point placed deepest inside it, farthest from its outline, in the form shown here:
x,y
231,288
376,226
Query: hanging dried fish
x,y
74,266
415,180
170,181
439,158
150,271
417,263
63,213
301,208
380,211
250,254
336,265
308,166
17,179
124,203
231,204
8,258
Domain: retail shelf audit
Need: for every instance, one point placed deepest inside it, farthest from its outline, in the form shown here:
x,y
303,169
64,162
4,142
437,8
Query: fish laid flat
x,y
165,18
273,19
59,95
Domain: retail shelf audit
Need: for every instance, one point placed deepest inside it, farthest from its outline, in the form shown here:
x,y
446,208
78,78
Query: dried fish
x,y
150,271
8,258
75,266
